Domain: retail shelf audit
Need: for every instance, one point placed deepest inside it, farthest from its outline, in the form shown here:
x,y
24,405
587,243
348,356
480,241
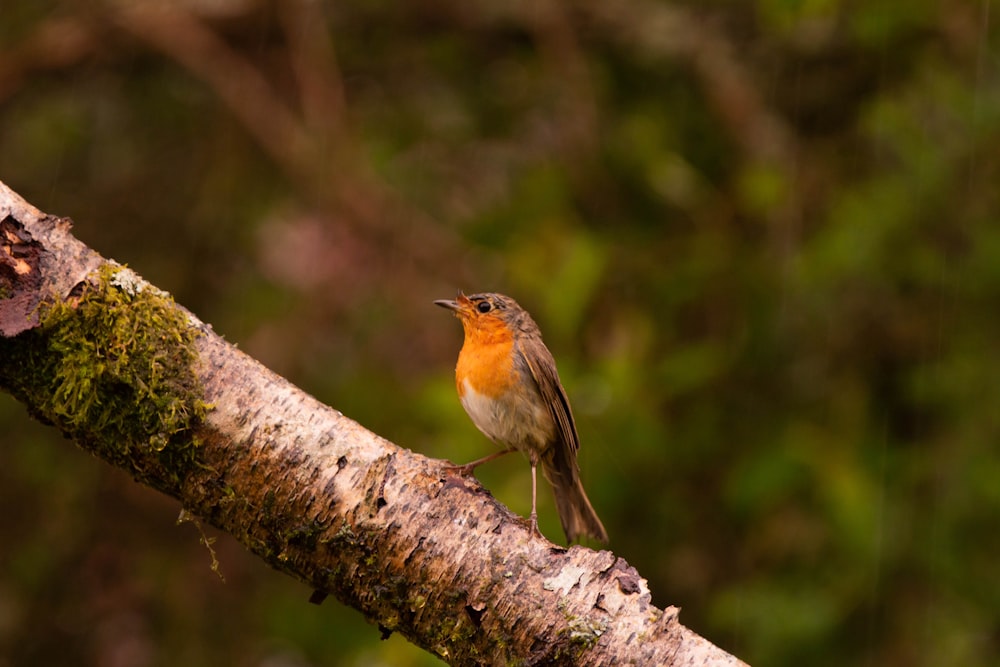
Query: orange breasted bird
x,y
508,383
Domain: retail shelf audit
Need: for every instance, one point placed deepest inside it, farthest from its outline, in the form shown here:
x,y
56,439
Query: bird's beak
x,y
459,306
447,303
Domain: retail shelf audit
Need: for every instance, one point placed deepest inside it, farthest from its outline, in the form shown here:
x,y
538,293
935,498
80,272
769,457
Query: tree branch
x,y
129,375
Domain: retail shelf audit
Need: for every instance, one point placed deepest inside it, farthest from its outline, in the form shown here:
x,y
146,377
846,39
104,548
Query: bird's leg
x,y
466,470
534,495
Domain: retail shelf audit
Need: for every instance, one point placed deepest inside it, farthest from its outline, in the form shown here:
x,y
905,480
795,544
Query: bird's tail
x,y
575,511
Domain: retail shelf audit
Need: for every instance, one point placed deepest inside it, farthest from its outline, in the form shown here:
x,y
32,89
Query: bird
x,y
508,384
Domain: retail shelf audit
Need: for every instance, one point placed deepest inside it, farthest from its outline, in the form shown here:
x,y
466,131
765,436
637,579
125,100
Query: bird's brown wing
x,y
543,371
559,466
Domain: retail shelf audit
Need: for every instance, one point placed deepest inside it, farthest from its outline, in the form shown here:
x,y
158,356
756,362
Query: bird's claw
x,y
460,470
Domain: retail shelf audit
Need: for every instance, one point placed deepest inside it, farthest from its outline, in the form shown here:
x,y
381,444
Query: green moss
x,y
583,632
449,632
113,368
345,537
305,535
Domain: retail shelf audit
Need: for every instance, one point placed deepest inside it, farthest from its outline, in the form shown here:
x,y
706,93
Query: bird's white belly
x,y
516,421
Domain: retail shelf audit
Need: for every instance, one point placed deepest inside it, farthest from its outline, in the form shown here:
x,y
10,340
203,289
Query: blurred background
x,y
761,239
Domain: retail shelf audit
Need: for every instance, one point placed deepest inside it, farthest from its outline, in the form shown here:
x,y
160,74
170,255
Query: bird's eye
x,y
484,306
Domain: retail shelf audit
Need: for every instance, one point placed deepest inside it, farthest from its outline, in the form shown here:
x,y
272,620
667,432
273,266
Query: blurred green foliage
x,y
760,237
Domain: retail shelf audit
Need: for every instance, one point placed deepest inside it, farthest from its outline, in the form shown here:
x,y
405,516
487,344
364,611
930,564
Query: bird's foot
x,y
460,470
533,520
466,469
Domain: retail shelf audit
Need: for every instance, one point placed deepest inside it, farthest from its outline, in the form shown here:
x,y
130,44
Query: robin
x,y
508,383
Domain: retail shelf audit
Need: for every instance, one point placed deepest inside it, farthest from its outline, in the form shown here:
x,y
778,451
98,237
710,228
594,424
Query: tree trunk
x,y
121,369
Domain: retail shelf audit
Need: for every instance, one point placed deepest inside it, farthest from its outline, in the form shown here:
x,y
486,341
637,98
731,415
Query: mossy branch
x,y
117,366
113,367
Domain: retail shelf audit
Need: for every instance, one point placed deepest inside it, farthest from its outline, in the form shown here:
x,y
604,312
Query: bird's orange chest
x,y
486,362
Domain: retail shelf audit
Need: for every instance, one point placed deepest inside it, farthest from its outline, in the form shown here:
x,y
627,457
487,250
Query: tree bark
x,y
112,362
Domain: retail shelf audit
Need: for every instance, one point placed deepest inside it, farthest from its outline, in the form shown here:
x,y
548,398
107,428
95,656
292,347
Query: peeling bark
x,y
316,495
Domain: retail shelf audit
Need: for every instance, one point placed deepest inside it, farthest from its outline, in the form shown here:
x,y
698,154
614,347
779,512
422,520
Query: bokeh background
x,y
761,238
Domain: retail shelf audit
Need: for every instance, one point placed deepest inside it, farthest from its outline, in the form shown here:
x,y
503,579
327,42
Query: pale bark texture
x,y
384,530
